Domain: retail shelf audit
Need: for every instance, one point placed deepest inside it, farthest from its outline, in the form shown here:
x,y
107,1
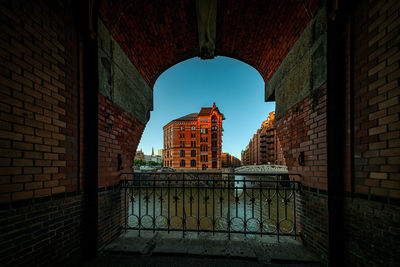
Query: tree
x,y
138,162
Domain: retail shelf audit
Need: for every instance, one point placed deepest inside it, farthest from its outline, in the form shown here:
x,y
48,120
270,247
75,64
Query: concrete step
x,y
256,250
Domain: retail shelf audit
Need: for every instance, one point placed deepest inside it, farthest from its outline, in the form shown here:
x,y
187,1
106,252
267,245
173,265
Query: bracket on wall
x,y
119,162
206,26
300,159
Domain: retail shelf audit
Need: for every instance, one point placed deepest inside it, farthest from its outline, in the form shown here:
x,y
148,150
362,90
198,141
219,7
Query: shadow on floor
x,y
163,249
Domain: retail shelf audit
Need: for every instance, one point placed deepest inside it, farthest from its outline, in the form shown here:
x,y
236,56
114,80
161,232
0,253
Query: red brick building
x,y
228,160
194,141
264,147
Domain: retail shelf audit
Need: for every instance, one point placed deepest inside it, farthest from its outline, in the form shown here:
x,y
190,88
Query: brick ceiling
x,y
158,34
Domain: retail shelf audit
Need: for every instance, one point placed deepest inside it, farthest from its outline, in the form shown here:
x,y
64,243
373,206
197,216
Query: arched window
x,y
182,163
193,153
182,153
192,163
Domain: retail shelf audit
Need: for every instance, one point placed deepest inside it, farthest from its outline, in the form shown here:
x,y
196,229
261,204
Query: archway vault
x,y
259,33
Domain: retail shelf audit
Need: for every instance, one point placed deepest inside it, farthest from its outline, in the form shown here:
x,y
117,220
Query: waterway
x,y
242,206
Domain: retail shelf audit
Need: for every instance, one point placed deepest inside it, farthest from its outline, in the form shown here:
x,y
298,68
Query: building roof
x,y
205,111
189,117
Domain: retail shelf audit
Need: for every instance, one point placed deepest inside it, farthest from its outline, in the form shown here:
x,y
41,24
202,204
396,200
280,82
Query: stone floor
x,y
163,249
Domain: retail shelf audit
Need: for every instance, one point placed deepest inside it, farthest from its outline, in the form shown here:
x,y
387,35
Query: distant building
x,y
194,141
228,160
154,158
147,158
264,147
160,152
139,155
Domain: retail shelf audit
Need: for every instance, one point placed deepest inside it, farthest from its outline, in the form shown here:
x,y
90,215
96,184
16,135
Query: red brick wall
x,y
376,99
45,233
155,43
371,221
119,133
38,102
302,128
41,211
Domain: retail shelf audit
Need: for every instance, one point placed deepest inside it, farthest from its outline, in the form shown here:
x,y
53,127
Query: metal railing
x,y
247,203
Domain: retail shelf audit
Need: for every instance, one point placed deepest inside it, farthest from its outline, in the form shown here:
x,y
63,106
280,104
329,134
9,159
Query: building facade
x,y
264,147
194,141
228,160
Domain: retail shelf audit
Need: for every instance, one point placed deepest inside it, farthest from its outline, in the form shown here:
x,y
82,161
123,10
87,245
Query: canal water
x,y
243,206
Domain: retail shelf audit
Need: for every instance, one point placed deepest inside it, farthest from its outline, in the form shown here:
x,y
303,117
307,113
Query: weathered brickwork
x,y
371,216
119,134
41,234
111,214
376,99
38,136
302,129
155,43
312,220
38,97
372,229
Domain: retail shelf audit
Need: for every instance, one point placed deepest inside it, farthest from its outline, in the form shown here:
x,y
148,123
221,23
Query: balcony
x,y
209,214
245,204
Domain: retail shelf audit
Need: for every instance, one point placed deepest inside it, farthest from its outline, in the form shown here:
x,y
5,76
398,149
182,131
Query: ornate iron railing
x,y
247,203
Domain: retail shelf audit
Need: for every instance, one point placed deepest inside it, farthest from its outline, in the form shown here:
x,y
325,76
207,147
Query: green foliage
x,y
137,162
153,163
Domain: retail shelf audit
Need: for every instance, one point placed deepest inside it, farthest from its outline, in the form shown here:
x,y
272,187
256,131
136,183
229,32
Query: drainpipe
x,y
86,15
337,14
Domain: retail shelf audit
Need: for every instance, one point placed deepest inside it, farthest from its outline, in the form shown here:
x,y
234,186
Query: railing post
x,y
183,206
261,216
244,205
277,208
126,210
228,220
198,204
140,203
154,203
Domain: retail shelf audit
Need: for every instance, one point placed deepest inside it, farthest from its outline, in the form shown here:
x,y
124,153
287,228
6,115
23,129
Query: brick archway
x,y
255,32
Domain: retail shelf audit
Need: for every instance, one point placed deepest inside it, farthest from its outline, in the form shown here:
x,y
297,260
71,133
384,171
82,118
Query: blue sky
x,y
236,88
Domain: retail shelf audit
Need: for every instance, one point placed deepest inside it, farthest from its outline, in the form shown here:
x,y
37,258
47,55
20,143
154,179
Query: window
x,y
193,153
213,128
193,128
182,143
192,163
214,118
193,135
170,163
214,135
193,143
203,130
203,148
182,135
182,153
182,128
182,163
204,158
